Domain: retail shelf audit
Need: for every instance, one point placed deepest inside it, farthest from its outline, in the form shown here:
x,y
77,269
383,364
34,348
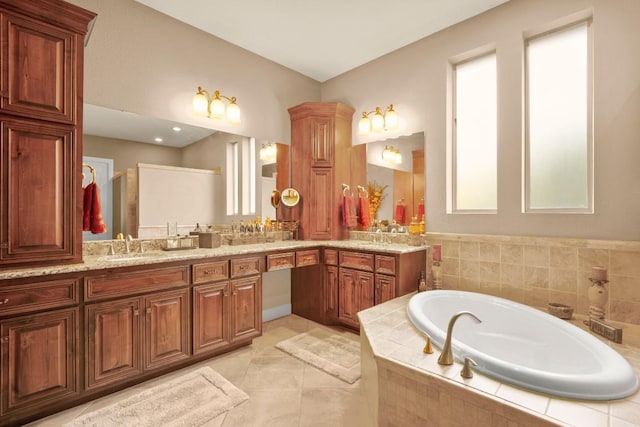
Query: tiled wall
x,y
536,270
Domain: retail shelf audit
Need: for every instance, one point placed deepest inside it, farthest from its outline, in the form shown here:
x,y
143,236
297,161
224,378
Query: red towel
x,y
349,218
97,223
365,216
87,203
400,214
420,211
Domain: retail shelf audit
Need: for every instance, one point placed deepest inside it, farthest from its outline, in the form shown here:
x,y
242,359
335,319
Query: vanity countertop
x,y
98,262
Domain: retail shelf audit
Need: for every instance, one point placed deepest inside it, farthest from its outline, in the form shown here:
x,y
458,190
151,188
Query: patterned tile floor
x,y
283,391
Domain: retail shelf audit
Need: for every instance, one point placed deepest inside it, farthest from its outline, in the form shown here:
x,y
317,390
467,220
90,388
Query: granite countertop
x,y
98,262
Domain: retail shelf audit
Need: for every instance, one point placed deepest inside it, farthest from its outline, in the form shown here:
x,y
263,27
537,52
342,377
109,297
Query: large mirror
x,y
397,165
148,169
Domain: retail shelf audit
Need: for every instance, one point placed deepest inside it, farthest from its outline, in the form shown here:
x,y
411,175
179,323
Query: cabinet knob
x,y
148,310
4,301
136,312
4,340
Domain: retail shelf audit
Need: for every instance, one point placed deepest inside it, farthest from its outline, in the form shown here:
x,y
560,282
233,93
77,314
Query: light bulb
x,y
217,108
377,121
391,119
233,113
200,104
364,125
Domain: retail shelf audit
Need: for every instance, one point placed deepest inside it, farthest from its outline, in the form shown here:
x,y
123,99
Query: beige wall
x,y
127,154
415,80
142,61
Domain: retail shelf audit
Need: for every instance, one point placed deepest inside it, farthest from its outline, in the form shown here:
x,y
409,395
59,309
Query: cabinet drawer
x,y
210,271
311,257
23,298
330,257
135,282
280,261
357,260
386,264
245,266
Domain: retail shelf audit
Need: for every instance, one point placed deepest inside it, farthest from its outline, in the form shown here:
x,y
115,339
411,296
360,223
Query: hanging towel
x,y
97,223
400,212
349,218
365,215
87,203
420,211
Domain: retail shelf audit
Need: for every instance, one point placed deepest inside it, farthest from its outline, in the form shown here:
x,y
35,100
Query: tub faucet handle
x,y
428,349
466,371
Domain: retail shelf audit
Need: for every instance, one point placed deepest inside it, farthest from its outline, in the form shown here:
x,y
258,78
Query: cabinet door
x,y
331,292
39,192
348,296
321,207
246,314
210,317
38,70
385,288
113,341
365,291
167,328
322,131
39,359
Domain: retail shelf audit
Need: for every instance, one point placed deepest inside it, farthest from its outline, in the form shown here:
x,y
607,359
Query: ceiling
x,y
318,38
321,38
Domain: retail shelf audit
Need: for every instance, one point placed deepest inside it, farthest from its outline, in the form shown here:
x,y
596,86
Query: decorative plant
x,y
376,196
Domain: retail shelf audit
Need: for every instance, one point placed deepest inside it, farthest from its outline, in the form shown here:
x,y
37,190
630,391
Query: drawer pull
x,y
207,272
4,301
243,267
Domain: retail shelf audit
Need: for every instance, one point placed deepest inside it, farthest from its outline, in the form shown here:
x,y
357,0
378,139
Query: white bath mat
x,y
189,400
336,354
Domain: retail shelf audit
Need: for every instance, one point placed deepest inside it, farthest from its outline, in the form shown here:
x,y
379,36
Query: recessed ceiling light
x,y
158,139
177,128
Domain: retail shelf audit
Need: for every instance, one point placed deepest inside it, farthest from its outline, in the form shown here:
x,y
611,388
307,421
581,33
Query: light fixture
x,y
392,155
378,120
268,151
214,106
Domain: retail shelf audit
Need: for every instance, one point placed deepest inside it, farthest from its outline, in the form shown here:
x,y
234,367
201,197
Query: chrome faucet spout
x,y
446,357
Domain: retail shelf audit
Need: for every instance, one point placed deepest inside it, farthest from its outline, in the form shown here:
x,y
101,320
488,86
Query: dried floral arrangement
x,y
376,196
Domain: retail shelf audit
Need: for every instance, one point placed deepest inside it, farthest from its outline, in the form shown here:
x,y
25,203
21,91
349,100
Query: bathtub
x,y
523,346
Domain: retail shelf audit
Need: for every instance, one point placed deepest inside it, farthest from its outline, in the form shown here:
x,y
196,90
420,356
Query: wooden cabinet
x,y
325,159
167,328
41,131
40,364
355,293
226,311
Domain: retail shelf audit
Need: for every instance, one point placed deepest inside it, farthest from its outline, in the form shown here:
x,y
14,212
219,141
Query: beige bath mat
x,y
189,400
336,354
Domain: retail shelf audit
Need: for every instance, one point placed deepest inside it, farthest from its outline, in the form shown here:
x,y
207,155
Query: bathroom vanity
x,y
117,320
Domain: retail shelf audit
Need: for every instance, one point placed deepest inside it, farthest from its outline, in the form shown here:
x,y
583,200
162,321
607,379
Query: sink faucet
x,y
446,357
127,244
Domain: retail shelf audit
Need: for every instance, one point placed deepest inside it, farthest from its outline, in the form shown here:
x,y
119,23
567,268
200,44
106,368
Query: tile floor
x,y
283,391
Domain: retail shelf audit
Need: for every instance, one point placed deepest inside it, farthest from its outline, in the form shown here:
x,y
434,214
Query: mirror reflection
x,y
148,169
397,166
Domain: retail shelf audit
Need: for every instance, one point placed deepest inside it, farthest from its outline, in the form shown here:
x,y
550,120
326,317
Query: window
x,y
474,158
241,177
558,142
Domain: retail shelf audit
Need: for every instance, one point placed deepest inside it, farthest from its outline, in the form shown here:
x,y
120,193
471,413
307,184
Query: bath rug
x,y
189,400
336,354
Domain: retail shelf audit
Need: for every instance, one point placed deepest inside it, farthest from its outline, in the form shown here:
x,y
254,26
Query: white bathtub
x,y
524,346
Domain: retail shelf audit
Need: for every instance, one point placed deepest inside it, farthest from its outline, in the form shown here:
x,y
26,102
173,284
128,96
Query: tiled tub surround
x,y
405,387
538,270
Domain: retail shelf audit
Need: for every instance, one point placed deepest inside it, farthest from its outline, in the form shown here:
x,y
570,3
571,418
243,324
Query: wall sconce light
x,y
268,151
392,155
214,107
377,120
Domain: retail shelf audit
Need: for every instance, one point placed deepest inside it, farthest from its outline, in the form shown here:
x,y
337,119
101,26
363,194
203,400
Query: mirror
x,y
126,139
403,182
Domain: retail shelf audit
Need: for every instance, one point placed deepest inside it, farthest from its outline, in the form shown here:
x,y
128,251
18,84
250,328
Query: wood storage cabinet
x,y
42,44
323,159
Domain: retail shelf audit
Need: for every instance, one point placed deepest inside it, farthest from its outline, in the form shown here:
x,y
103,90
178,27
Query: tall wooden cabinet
x,y
323,159
41,44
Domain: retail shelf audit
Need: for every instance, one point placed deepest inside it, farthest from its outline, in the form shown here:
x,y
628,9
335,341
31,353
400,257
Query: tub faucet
x,y
446,357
